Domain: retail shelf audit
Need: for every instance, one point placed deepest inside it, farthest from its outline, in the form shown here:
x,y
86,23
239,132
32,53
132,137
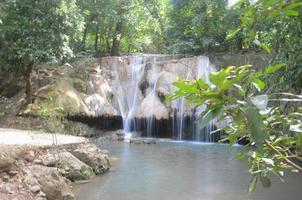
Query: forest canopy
x,y
32,32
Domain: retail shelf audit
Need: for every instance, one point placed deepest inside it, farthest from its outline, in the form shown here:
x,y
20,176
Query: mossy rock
x,y
80,85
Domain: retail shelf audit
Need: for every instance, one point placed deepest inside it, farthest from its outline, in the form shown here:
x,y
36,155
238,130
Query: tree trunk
x,y
117,39
85,36
28,89
96,39
108,46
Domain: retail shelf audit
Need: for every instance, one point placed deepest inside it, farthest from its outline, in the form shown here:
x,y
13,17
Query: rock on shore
x,y
37,172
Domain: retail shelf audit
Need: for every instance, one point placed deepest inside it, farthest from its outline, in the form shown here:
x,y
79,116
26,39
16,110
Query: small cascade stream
x,y
137,67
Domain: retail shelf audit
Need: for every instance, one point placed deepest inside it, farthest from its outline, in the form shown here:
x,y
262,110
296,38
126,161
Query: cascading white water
x,y
204,68
180,114
153,94
137,66
137,95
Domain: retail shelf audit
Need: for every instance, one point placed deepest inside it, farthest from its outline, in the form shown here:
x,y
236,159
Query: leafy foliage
x,y
234,95
275,27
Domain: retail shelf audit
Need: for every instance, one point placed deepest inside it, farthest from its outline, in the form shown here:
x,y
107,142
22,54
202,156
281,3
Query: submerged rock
x,y
142,141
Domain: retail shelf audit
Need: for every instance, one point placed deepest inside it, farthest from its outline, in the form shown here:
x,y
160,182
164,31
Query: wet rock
x,y
142,141
50,182
149,141
119,135
92,156
120,138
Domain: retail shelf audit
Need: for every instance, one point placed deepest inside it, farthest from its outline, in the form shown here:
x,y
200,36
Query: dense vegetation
x,y
236,94
33,32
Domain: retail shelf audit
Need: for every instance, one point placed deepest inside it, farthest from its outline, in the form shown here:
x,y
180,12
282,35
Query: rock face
x,y
93,157
49,181
122,85
45,173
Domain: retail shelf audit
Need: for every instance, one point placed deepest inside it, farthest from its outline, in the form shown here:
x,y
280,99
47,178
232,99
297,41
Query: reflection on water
x,y
180,171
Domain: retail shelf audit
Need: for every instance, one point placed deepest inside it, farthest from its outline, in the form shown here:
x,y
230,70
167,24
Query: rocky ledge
x,y
34,172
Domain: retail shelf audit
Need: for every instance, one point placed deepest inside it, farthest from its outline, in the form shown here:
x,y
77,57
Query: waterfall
x,y
138,83
154,78
137,66
204,68
180,113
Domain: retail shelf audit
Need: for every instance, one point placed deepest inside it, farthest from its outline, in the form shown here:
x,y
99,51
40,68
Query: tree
x,y
197,26
274,26
36,32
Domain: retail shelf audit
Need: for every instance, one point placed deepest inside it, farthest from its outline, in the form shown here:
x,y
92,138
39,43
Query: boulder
x,y
92,156
6,163
73,168
70,166
51,183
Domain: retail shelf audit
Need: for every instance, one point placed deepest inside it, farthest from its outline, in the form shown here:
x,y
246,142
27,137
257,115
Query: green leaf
x,y
260,85
209,116
240,156
217,78
201,84
265,181
265,47
293,5
232,34
293,13
253,183
256,125
268,70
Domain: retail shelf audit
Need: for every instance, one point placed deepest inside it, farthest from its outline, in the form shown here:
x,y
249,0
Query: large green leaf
x,y
256,125
253,183
217,78
233,33
268,70
265,181
260,85
209,116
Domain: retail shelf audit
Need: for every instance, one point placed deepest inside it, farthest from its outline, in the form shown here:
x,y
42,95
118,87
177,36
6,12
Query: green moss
x,y
80,85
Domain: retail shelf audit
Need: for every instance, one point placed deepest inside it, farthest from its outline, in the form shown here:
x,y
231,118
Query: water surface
x,y
180,171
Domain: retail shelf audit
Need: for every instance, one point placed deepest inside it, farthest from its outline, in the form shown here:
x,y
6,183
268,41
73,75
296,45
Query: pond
x,y
173,170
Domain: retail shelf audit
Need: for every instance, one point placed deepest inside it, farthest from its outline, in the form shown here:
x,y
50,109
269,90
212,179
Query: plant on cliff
x,y
37,31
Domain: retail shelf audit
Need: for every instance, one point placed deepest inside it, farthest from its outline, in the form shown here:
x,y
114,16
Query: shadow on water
x,y
180,171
